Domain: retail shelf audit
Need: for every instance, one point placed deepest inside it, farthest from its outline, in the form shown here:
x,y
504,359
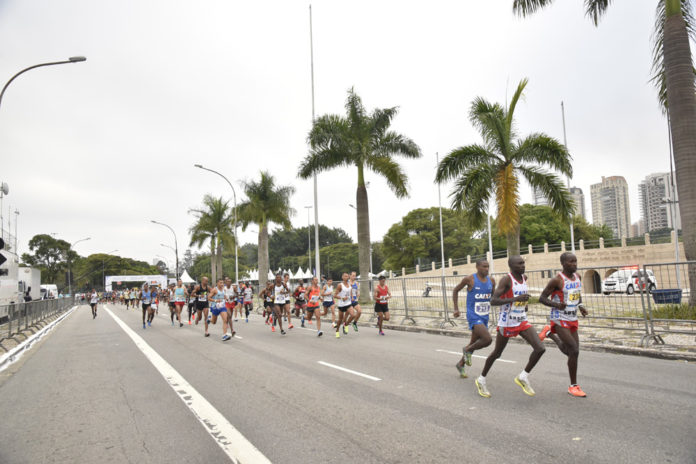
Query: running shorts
x,y
217,311
171,305
474,319
354,303
328,304
300,305
180,304
146,306
381,308
343,309
511,332
571,325
287,302
312,308
230,305
267,304
201,305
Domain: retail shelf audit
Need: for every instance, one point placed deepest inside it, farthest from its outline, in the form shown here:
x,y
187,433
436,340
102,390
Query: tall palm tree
x,y
214,224
267,203
673,75
362,140
493,168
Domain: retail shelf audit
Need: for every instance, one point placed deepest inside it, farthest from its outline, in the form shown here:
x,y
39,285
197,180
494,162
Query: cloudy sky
x,y
99,148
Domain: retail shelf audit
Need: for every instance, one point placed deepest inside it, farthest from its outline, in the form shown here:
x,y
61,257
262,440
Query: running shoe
x,y
467,358
143,325
544,332
172,323
576,391
345,331
181,324
282,332
226,337
291,326
381,333
526,387
310,322
482,389
355,326
207,335
333,325
247,320
189,322
272,328
149,323
338,335
320,333
461,370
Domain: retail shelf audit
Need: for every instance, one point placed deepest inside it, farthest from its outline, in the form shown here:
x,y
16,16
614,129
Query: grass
x,y
674,311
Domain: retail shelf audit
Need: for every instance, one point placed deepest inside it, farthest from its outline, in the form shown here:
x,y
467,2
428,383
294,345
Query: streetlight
x,y
234,194
176,245
70,264
356,211
309,240
72,59
103,276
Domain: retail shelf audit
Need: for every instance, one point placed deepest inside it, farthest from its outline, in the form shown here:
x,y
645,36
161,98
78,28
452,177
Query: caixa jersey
x,y
513,314
570,295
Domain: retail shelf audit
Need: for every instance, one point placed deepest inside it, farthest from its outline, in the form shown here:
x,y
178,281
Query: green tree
x,y
339,258
89,271
362,140
673,75
249,255
493,169
417,235
267,203
51,256
293,242
215,225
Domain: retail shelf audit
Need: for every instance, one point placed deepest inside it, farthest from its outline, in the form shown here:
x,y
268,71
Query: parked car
x,y
629,281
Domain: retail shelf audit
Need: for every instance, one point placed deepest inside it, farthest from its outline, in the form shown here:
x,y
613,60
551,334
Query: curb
x,y
589,346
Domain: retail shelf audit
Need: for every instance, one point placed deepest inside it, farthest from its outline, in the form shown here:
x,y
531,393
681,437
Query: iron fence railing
x,y
17,317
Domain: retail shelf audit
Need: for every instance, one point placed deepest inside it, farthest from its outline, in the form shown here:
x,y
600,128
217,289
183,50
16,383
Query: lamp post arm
x,y
29,69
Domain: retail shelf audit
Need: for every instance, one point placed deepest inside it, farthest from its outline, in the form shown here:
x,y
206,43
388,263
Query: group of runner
x,y
562,294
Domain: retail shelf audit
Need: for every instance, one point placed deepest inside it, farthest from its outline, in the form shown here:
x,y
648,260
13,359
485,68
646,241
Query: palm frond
x,y
472,191
528,7
552,187
507,199
381,119
596,8
541,149
461,159
513,104
393,144
355,111
489,120
391,171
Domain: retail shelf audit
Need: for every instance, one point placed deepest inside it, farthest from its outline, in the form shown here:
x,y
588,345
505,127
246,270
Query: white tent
x,y
186,278
300,273
270,275
308,274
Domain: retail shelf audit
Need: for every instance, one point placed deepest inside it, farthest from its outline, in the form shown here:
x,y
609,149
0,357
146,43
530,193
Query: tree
x,y
88,271
493,168
673,75
50,255
188,260
339,258
364,141
249,255
214,224
267,203
293,242
417,235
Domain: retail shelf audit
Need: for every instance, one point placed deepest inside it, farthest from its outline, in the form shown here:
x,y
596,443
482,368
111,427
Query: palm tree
x,y
493,168
267,202
362,140
673,75
214,223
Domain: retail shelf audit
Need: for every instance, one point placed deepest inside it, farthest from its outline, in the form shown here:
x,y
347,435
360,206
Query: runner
x,y
134,297
300,301
354,296
170,301
512,295
153,309
217,308
126,298
279,292
382,295
564,295
312,306
180,296
327,293
93,299
200,293
248,300
286,307
478,307
343,294
144,296
266,296
239,302
230,298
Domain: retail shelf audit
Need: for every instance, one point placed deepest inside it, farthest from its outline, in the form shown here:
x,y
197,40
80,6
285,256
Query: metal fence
x,y
652,301
21,316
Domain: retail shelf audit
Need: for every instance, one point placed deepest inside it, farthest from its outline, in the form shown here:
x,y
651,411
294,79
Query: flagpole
x,y
565,143
317,263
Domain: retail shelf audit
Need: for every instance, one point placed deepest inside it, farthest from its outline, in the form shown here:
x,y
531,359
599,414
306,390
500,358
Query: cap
x,y
382,277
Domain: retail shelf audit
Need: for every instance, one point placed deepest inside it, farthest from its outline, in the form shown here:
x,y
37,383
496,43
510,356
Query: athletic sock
x,y
481,379
524,376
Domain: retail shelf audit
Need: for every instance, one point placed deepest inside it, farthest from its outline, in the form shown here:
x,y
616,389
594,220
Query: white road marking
x,y
376,379
228,438
459,353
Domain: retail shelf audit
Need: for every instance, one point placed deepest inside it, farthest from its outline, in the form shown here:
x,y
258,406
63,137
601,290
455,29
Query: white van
x,y
49,291
629,281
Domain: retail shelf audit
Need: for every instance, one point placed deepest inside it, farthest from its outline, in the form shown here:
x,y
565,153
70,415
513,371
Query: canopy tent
x,y
271,276
160,280
186,278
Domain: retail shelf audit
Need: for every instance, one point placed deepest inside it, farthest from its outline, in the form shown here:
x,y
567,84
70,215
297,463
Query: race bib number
x,y
482,308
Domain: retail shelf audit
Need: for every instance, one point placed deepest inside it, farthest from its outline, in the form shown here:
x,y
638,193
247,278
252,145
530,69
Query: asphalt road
x,y
88,394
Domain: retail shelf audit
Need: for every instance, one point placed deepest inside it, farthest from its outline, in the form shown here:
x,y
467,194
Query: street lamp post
x,y
236,244
309,240
176,245
72,59
70,264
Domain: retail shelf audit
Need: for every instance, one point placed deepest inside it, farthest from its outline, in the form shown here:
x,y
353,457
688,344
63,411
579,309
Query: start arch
x,y
159,280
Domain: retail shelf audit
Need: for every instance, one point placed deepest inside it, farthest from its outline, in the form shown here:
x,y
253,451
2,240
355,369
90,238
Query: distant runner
x,y
248,300
312,307
93,299
345,308
279,292
354,297
382,295
200,293
217,308
327,292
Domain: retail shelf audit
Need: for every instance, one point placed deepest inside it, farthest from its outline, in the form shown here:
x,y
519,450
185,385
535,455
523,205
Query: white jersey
x,y
329,290
514,314
248,295
93,298
279,294
344,295
230,293
570,295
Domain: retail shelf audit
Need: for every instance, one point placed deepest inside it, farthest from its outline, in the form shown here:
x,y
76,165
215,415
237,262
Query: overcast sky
x,y
99,148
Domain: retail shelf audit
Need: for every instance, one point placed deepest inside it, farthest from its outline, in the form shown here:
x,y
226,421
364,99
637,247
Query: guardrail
x,y
21,316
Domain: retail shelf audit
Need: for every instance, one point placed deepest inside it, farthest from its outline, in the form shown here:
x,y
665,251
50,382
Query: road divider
x,y
360,374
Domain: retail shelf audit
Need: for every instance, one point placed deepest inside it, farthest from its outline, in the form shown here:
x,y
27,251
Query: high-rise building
x,y
637,229
610,205
538,198
579,200
656,209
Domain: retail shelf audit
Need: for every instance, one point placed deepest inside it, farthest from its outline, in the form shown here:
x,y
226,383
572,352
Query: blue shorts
x,y
328,304
217,311
474,319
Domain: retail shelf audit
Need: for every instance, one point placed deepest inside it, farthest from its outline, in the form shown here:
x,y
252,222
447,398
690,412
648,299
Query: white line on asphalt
x,y
376,379
458,353
228,438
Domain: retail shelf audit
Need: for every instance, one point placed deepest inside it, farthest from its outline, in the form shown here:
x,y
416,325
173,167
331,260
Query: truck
x,y
30,280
